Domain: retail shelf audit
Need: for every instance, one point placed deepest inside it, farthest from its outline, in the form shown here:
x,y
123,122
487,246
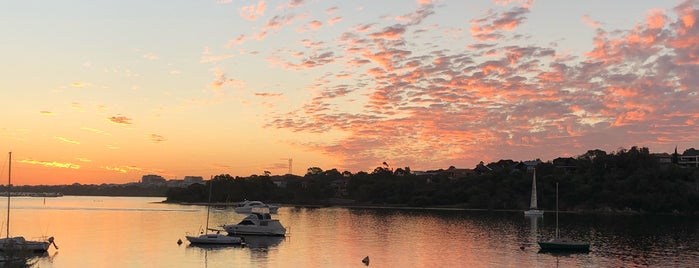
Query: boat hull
x,y
564,245
19,244
214,239
237,229
533,212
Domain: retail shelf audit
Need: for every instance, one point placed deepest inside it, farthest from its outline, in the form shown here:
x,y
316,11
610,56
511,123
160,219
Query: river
x,y
143,232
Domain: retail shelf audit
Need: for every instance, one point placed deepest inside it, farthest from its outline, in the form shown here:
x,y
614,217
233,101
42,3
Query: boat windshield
x,y
261,210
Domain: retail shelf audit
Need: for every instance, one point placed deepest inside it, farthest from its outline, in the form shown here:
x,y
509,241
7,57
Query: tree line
x,y
626,180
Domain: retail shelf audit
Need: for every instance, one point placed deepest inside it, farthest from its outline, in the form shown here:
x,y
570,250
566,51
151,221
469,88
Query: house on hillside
x,y
152,179
690,158
663,158
568,164
528,166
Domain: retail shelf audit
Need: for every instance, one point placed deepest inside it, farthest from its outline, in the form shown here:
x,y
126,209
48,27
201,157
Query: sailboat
x,y
533,210
213,238
561,244
18,244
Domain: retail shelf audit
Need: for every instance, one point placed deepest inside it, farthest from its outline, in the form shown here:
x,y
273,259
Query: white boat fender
x,y
366,260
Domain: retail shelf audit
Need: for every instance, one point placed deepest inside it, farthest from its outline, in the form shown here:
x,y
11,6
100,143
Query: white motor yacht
x,y
246,206
259,222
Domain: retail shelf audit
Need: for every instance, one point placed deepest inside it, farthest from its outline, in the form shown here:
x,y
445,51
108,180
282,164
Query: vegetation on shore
x,y
93,190
632,181
624,181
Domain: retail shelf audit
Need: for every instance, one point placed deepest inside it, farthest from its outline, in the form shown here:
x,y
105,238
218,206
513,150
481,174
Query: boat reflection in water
x,y
257,241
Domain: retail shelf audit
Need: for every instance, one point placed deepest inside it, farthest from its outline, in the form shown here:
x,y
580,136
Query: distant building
x,y
454,172
566,163
528,166
193,179
663,158
152,179
690,158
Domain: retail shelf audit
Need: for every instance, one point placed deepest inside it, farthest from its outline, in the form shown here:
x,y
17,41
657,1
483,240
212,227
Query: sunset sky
x,y
108,91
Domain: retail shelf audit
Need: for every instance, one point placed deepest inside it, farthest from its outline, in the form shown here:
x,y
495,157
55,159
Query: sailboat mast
x,y
532,204
208,207
556,210
9,185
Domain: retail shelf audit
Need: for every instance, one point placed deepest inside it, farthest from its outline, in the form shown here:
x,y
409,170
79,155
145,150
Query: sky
x,y
108,91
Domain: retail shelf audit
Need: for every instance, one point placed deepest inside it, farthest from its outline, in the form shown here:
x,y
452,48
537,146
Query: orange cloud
x,y
156,138
52,164
122,120
66,140
656,19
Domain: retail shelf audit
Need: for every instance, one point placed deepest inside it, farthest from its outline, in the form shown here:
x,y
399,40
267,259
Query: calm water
x,y
139,232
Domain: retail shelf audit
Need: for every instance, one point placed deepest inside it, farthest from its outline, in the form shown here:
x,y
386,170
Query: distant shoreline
x,y
444,208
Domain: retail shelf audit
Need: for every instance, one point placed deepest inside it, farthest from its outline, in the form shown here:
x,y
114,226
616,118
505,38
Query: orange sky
x,y
107,92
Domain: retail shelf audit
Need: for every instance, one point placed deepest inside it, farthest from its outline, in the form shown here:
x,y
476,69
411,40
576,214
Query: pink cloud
x,y
590,22
315,25
486,29
450,106
391,33
250,12
295,3
656,19
334,20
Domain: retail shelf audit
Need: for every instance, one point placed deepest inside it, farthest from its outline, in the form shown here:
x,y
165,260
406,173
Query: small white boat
x,y
246,206
17,244
533,209
214,238
560,244
259,222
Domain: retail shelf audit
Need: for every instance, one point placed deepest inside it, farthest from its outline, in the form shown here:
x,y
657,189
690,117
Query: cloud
x,y
488,28
251,12
295,3
590,22
51,164
210,58
265,94
94,130
48,113
66,140
79,84
150,56
122,120
447,106
156,138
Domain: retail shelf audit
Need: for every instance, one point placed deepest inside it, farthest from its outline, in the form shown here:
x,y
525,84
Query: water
x,y
140,232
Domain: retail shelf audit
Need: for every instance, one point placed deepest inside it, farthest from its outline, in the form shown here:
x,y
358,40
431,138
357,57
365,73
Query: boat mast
x,y
208,207
532,204
557,210
9,185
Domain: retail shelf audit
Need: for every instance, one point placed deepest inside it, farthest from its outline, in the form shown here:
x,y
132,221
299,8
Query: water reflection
x,y
140,233
257,241
25,259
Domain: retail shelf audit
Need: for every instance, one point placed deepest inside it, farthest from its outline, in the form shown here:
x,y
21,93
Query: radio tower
x,y
290,160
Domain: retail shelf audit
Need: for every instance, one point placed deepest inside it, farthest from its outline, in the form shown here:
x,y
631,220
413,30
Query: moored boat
x,y
564,244
18,244
246,206
214,239
560,244
259,222
206,238
533,208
